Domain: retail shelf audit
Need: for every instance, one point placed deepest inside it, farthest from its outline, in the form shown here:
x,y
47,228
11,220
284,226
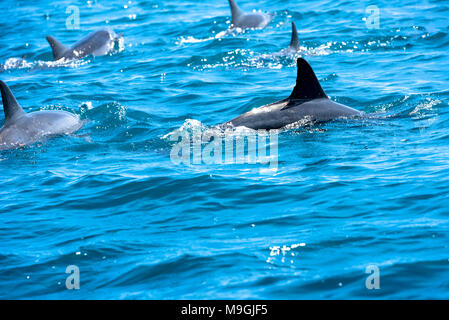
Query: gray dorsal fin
x,y
235,10
57,47
11,107
294,43
307,85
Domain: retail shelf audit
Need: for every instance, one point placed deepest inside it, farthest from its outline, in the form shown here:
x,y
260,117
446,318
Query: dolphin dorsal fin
x,y
57,47
11,107
294,43
307,85
236,11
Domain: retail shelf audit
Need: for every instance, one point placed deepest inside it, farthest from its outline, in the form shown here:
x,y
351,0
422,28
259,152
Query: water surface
x,y
345,195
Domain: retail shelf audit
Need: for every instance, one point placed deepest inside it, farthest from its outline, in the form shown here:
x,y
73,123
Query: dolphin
x,y
244,20
98,43
292,49
22,128
307,102
294,42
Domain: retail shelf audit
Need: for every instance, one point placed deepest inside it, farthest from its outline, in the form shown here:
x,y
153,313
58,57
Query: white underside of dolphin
x,y
243,20
22,128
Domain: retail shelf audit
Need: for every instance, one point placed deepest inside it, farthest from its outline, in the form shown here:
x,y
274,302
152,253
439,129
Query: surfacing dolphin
x,y
308,102
244,20
294,42
22,128
293,47
98,43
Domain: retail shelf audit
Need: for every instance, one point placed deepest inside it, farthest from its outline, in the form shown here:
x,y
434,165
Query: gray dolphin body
x,y
22,128
308,102
97,43
244,20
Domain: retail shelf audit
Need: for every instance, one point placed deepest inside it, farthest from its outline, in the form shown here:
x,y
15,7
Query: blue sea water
x,y
346,195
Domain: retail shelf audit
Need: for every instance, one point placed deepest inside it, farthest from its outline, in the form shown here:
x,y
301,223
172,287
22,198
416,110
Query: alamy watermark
x,y
372,20
214,147
373,280
73,20
73,280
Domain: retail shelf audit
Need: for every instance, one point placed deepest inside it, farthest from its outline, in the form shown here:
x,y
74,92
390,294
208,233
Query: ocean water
x,y
345,197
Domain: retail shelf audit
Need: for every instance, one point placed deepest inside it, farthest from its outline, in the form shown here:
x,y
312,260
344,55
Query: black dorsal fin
x,y
294,43
57,47
235,11
11,107
307,85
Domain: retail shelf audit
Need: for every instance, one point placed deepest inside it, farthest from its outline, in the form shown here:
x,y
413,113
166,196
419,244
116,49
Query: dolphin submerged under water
x,y
21,128
307,102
